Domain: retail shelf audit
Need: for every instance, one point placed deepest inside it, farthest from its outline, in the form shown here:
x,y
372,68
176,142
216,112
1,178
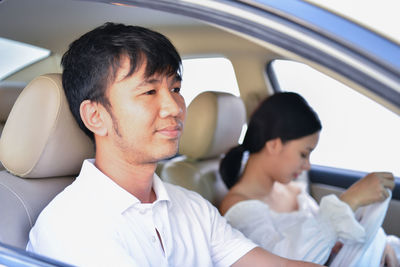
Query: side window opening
x,y
16,55
207,74
357,134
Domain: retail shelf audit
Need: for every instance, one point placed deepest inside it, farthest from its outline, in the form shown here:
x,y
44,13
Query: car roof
x,y
28,21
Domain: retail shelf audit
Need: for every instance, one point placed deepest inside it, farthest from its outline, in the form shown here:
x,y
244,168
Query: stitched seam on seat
x,y
22,202
51,131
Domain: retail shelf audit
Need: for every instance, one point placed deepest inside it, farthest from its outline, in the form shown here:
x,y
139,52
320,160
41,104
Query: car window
x,y
207,74
15,55
357,134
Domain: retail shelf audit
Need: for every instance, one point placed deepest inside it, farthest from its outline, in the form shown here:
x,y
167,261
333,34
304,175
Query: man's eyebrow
x,y
177,78
151,80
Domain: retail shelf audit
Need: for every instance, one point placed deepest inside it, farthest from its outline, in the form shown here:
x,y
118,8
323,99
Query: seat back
x,y
213,125
9,91
42,149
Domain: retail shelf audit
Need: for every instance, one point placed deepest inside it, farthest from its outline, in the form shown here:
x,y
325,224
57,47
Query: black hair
x,y
91,63
284,115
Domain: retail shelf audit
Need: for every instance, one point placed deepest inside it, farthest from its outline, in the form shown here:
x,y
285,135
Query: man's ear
x,y
274,146
93,117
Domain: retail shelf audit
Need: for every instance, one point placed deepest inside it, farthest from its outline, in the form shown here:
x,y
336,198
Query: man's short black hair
x,y
91,63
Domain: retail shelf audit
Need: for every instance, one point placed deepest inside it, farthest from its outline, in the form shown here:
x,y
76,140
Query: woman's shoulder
x,y
231,198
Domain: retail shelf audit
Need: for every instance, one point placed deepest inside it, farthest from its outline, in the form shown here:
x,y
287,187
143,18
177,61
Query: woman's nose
x,y
307,165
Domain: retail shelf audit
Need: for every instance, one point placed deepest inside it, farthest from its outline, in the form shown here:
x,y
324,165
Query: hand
x,y
389,257
336,248
370,189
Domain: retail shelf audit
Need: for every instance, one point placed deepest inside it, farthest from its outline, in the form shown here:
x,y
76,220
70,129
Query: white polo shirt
x,y
95,222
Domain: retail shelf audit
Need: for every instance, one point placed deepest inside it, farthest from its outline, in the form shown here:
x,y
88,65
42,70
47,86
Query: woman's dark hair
x,y
91,63
284,115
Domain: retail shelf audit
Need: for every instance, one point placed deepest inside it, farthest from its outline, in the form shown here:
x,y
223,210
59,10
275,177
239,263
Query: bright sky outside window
x,y
357,133
15,55
207,74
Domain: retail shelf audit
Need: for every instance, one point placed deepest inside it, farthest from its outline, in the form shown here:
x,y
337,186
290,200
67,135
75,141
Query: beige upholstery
x,y
40,140
213,125
9,92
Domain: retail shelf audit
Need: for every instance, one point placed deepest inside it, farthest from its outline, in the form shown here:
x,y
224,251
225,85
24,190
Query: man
x,y
122,84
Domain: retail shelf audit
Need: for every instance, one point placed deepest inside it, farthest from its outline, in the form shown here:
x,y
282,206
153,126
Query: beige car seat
x,y
213,125
42,149
9,91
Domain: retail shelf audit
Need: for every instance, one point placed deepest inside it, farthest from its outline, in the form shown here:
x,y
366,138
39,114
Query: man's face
x,y
147,115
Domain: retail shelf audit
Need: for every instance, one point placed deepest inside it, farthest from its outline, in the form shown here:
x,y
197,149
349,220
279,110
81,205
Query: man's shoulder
x,y
179,191
66,207
69,215
187,199
61,204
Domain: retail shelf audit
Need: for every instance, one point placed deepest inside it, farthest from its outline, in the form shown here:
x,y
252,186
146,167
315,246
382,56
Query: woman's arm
x,y
368,190
301,236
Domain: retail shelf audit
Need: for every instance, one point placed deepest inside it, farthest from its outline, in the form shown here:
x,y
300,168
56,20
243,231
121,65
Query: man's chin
x,y
168,154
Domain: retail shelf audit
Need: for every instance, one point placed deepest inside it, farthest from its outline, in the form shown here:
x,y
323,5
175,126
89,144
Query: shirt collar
x,y
110,193
159,189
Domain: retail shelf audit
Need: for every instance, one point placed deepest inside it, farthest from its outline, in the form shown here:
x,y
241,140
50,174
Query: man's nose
x,y
170,105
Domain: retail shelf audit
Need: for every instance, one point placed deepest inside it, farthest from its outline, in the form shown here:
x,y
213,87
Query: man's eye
x,y
176,89
150,92
303,155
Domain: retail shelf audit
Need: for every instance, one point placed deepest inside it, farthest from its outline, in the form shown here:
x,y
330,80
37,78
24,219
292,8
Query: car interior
x,y
42,148
213,125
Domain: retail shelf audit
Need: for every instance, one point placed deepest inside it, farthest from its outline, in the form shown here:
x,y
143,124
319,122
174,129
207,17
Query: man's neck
x,y
137,179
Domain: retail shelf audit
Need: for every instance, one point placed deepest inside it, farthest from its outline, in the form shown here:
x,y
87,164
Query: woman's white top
x,y
307,234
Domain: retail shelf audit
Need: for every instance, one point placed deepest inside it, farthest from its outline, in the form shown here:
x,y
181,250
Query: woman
x,y
268,207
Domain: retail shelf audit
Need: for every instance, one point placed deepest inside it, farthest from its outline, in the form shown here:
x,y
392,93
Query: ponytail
x,y
230,165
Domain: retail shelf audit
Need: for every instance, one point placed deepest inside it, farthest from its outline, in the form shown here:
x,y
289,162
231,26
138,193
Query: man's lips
x,y
171,131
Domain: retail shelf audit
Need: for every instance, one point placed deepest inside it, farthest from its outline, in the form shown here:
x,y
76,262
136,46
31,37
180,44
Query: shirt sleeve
x,y
227,244
299,236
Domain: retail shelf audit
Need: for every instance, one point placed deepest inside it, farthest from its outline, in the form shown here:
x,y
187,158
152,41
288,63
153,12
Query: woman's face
x,y
294,157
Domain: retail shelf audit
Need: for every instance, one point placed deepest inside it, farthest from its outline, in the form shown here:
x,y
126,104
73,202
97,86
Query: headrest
x,y
41,138
9,91
213,125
